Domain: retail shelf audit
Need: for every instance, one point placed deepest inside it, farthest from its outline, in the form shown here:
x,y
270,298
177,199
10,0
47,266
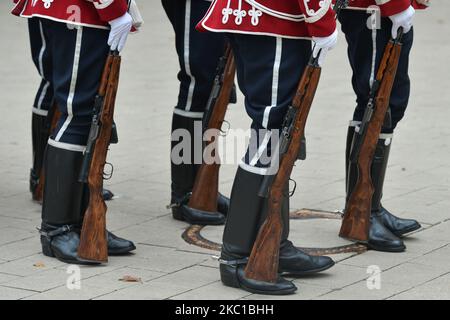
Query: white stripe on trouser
x,y
275,81
262,147
187,66
188,114
41,70
73,83
255,170
383,136
354,123
274,100
42,95
41,53
374,56
39,112
66,146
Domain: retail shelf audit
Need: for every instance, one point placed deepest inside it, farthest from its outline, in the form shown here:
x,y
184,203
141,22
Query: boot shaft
x,y
63,192
246,215
187,133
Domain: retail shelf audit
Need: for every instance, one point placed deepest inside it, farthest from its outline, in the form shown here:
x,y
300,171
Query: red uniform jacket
x,y
88,13
287,18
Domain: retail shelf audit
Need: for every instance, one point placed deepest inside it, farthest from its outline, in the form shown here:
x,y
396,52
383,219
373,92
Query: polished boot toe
x,y
223,204
396,225
234,276
107,194
200,217
119,246
294,261
381,239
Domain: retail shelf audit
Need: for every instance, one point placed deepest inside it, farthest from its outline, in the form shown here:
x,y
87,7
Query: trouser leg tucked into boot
x,y
183,174
240,233
396,225
247,213
62,204
116,245
380,237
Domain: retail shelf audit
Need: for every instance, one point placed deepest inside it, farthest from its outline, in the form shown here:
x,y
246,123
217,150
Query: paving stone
x,y
85,292
409,275
7,293
383,260
111,280
184,278
167,287
165,259
360,291
41,281
4,277
10,234
439,258
336,277
436,289
215,289
304,292
21,249
30,265
417,184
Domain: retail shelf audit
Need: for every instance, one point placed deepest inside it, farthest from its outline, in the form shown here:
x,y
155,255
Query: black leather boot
x,y
396,225
183,177
380,237
107,194
40,129
116,245
243,221
62,204
294,261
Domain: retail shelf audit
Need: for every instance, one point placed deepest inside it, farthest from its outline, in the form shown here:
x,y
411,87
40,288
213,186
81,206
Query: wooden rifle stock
x,y
356,221
93,239
206,186
263,262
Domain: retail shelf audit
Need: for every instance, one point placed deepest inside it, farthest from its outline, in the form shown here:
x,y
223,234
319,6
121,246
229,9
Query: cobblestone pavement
x,y
417,186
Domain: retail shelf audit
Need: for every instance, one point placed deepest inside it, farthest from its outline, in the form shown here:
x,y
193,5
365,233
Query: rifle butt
x,y
264,259
93,239
206,188
356,221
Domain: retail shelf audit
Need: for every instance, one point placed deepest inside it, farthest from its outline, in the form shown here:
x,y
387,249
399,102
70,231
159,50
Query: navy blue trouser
x,y
72,61
198,54
40,54
268,71
360,54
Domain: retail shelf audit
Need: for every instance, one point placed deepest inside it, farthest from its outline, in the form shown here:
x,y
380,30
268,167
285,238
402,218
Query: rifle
x,y
93,239
206,186
51,121
356,221
264,258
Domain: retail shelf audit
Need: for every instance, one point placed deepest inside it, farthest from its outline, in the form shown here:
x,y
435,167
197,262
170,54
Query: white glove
x,y
403,19
324,43
120,28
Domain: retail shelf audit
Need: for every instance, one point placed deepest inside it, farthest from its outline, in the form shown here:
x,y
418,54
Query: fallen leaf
x,y
39,265
128,278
